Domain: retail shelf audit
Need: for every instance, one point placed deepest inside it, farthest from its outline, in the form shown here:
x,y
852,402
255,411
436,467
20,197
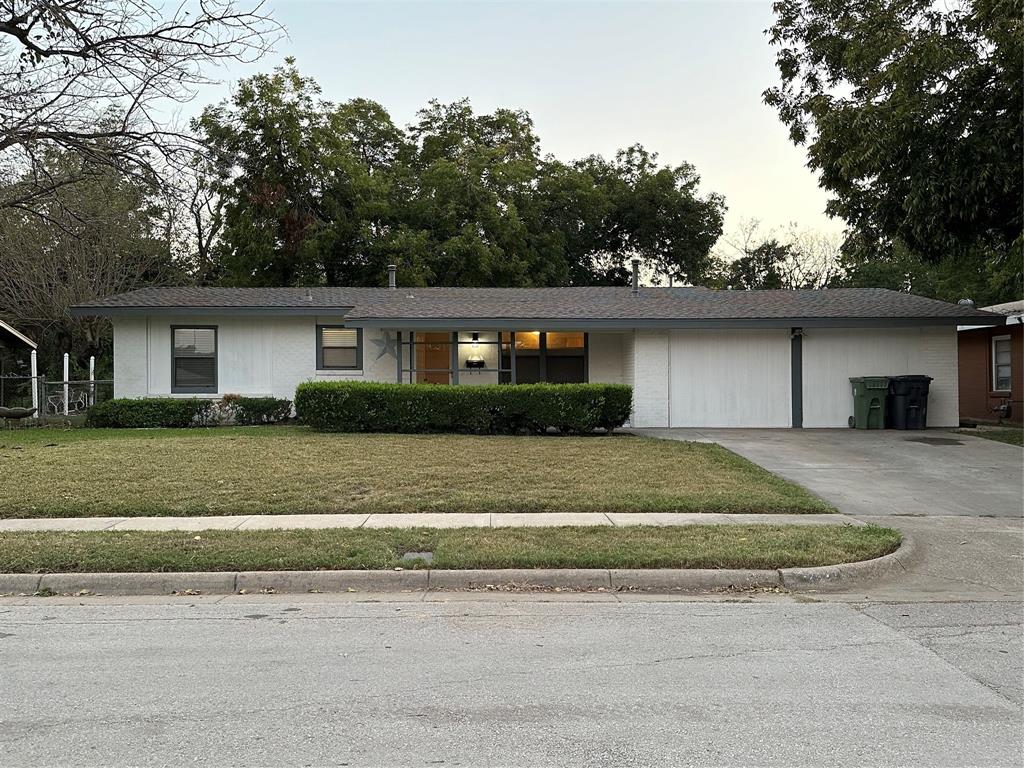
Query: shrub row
x,y
334,406
150,412
191,412
255,410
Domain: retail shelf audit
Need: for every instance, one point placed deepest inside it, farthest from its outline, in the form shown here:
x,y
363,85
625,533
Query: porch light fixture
x,y
475,359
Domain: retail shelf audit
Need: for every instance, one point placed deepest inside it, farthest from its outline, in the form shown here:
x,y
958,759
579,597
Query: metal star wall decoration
x,y
387,344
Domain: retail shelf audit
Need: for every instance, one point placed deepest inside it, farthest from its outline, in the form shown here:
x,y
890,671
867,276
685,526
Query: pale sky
x,y
682,78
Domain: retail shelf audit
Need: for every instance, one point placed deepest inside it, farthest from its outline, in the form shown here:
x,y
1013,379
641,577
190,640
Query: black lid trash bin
x,y
908,402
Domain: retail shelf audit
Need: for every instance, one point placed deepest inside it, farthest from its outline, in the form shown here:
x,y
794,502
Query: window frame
x,y
179,390
320,366
995,365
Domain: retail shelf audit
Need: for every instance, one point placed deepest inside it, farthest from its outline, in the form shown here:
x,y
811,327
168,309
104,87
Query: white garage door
x,y
729,378
832,356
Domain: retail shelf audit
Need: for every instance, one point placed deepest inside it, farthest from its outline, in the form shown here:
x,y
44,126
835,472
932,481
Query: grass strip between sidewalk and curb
x,y
691,546
292,470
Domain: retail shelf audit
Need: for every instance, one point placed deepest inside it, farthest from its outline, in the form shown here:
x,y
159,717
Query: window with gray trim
x,y
339,348
194,359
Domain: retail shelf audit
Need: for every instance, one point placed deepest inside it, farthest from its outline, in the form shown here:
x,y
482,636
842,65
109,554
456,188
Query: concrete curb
x,y
829,578
571,578
692,580
331,581
822,579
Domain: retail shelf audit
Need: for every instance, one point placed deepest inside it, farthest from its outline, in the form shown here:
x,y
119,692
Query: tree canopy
x,y
911,113
316,192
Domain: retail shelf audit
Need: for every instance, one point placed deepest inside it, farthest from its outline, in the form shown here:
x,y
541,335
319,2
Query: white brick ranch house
x,y
695,357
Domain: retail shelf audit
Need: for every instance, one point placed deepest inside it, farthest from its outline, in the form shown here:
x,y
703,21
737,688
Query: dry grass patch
x,y
689,546
291,470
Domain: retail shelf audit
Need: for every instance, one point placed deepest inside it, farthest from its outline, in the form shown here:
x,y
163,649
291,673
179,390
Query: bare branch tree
x,y
795,258
50,259
99,78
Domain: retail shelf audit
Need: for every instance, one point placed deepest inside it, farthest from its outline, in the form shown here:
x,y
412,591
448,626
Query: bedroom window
x,y
194,359
339,348
1001,369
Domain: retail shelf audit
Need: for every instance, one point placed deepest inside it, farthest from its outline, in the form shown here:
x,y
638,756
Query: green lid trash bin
x,y
869,396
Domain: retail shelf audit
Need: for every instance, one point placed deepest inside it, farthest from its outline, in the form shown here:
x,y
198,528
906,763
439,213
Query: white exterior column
x,y
34,371
67,391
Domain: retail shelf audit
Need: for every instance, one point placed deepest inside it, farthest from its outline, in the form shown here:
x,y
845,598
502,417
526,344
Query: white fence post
x,y
92,379
34,370
67,375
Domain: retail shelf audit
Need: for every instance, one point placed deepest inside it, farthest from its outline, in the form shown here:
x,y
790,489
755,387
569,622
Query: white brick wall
x,y
131,359
271,356
606,358
650,377
832,356
255,356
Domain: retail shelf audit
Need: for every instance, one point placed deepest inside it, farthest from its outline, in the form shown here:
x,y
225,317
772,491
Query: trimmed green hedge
x,y
343,406
150,412
247,411
191,412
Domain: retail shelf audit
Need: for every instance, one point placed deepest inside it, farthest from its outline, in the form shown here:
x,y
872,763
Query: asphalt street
x,y
509,680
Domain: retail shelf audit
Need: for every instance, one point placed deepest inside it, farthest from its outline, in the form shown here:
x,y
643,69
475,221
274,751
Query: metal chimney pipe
x,y
636,277
392,279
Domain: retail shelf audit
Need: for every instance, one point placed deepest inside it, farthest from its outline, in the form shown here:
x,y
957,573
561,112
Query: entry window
x,y
552,356
339,348
194,359
1001,370
566,358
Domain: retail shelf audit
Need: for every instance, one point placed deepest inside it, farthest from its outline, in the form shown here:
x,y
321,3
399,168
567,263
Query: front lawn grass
x,y
292,470
1011,435
688,546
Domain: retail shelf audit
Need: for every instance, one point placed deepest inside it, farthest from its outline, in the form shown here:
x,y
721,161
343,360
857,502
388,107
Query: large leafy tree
x,y
651,212
911,114
313,192
275,153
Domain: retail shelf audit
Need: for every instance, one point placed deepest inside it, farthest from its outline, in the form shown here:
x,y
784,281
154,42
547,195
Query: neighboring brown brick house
x,y
992,367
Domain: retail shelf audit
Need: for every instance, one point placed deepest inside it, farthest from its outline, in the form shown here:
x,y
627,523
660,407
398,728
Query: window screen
x,y
194,359
1001,368
339,347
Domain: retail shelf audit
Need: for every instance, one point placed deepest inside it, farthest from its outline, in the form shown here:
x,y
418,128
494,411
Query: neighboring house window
x,y
194,359
1001,363
339,348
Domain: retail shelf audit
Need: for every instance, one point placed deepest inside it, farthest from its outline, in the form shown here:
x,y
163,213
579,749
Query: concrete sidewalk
x,y
422,520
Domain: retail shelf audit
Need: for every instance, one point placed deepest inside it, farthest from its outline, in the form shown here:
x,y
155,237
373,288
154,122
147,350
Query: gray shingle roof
x,y
603,304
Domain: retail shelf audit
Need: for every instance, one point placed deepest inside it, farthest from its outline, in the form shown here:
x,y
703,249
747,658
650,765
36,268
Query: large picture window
x,y
339,348
1001,364
194,359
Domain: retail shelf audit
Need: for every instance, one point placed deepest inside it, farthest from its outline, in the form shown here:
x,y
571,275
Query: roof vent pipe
x,y
392,281
309,295
636,277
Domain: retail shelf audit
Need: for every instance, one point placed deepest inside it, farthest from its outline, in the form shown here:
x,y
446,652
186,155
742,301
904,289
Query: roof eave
x,y
18,335
539,323
84,310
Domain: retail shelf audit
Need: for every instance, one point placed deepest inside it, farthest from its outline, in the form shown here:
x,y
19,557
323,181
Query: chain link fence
x,y
55,400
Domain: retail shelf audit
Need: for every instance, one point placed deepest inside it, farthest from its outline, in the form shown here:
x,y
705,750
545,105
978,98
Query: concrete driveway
x,y
889,472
